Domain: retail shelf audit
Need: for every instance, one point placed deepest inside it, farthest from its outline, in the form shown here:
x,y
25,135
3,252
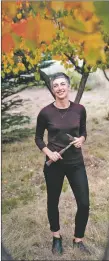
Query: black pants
x,y
76,175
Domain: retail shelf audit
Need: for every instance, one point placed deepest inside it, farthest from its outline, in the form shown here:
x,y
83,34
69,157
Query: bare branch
x,y
105,75
78,69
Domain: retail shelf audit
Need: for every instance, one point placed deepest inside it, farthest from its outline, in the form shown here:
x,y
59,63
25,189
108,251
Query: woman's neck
x,y
62,104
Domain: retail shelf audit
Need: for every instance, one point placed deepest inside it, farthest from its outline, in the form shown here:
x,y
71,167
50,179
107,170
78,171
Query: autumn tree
x,y
33,32
17,58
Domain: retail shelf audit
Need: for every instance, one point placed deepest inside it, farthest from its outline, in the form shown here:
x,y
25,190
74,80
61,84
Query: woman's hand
x,y
78,142
54,155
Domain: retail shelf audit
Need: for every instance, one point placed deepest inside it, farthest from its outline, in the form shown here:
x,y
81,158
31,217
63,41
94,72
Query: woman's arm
x,y
40,129
41,125
82,131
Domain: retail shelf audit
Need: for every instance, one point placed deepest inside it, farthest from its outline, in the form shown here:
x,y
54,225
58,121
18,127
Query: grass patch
x,y
26,196
95,120
9,204
100,154
27,176
92,200
65,185
100,216
43,187
13,186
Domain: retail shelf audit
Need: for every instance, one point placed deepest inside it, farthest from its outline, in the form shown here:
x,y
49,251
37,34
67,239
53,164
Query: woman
x,y
60,118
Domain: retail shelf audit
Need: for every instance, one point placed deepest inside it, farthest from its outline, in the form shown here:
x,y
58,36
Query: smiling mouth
x,y
61,92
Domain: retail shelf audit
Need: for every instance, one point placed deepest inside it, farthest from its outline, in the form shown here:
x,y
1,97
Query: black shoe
x,y
57,245
81,246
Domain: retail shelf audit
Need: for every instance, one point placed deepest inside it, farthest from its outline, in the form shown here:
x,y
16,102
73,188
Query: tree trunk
x,y
81,87
45,78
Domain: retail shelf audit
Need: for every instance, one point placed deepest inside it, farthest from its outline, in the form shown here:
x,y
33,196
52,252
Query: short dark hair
x,y
59,75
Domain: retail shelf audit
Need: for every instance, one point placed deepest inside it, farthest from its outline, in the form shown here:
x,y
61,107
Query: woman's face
x,y
60,88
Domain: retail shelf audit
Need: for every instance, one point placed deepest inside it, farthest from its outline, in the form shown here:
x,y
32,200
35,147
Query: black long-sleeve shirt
x,y
58,123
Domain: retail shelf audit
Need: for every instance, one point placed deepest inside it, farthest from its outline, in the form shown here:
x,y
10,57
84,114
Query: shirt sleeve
x,y
83,131
41,125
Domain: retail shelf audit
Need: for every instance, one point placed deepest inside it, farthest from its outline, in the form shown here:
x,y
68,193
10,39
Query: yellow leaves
x,y
5,65
3,57
57,5
50,47
9,8
94,48
29,67
87,6
63,5
32,62
43,47
46,30
79,23
21,67
2,74
8,62
27,58
72,25
11,54
19,16
8,71
19,4
9,65
94,40
57,57
35,59
81,27
71,5
27,4
15,70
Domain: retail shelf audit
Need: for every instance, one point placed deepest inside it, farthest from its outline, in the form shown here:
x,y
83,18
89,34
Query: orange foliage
x,y
57,57
9,8
20,28
6,28
87,6
47,30
56,6
35,29
7,38
81,27
72,5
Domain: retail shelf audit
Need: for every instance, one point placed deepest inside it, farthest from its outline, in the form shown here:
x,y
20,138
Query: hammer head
x,y
70,137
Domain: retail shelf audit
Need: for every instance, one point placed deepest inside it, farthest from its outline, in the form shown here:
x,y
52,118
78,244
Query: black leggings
x,y
76,175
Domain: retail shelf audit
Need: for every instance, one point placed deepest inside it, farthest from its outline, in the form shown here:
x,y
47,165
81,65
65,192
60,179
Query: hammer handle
x,y
60,152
